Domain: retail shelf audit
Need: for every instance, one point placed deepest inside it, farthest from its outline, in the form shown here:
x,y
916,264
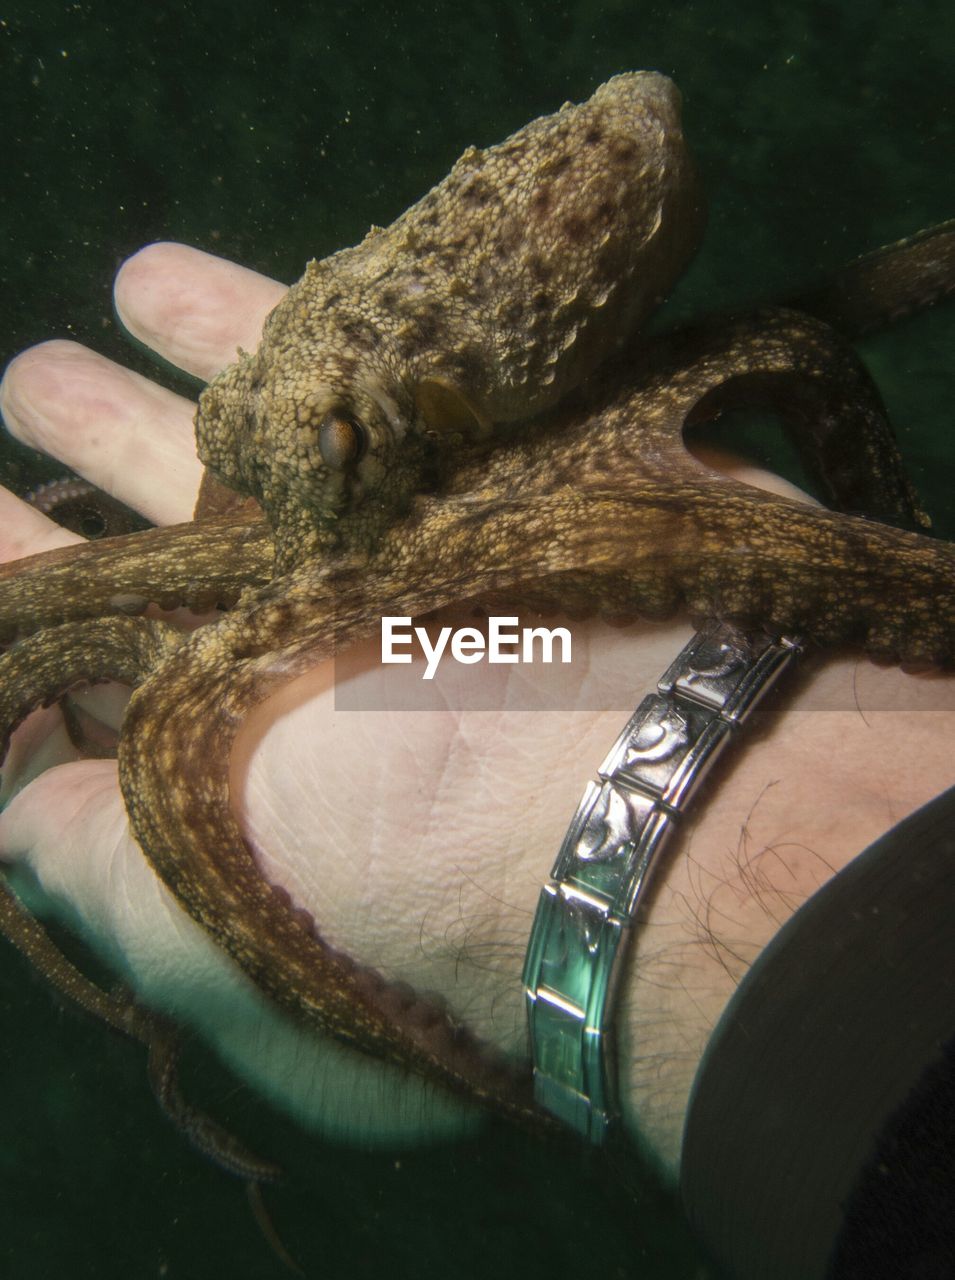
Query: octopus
x,y
80,507
465,405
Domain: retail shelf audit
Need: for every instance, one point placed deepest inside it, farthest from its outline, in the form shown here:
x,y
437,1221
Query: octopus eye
x,y
341,440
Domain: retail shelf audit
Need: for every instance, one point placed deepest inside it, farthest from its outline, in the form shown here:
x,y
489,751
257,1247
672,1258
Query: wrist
x,y
847,751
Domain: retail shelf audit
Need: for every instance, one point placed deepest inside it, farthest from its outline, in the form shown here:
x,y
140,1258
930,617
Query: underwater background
x,y
272,133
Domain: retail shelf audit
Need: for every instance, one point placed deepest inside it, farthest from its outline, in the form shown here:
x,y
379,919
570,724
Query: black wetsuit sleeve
x,y
820,1136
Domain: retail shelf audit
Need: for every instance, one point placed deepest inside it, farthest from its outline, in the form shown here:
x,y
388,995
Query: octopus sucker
x,y
195,565
77,505
463,407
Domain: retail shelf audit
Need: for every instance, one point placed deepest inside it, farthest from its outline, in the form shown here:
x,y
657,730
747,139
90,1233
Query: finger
x,y
120,431
38,745
191,308
729,464
24,531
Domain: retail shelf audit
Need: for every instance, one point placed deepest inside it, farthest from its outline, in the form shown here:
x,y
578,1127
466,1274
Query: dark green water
x,y
273,133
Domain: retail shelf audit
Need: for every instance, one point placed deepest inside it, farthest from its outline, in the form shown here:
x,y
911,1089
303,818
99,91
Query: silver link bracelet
x,y
613,845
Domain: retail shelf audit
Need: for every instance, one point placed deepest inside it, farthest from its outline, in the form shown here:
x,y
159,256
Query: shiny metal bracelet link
x,y
612,846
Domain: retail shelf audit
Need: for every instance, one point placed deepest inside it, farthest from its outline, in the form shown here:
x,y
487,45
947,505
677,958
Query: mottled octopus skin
x,y
483,304
587,500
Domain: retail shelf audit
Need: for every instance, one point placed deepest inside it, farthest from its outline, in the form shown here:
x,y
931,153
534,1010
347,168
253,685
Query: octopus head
x,y
322,438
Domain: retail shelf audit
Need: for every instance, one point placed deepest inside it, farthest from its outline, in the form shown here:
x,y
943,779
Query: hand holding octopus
x,y
583,534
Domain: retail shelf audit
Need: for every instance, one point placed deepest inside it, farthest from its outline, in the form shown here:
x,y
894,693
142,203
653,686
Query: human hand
x,y
430,867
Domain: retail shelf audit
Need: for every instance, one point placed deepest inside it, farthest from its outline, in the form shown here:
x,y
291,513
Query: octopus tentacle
x,y
204,1133
625,445
888,284
80,506
36,673
26,933
40,670
796,363
193,565
812,378
121,1012
754,557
